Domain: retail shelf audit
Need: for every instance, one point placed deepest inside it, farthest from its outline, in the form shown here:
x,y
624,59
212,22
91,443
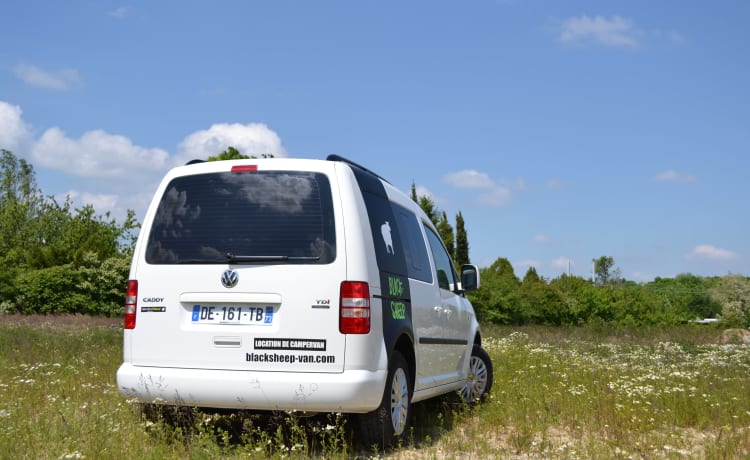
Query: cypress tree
x,y
462,242
446,234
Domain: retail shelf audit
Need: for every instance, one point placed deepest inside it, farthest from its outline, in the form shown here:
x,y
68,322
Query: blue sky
x,y
563,131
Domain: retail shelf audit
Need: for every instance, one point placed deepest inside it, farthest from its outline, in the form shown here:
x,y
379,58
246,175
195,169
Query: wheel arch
x,y
478,338
405,345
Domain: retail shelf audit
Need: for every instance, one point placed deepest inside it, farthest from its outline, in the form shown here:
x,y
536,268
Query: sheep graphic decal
x,y
385,229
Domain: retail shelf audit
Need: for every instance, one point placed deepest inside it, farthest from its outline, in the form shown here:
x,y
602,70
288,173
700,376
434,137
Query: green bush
x,y
104,283
733,294
95,287
48,290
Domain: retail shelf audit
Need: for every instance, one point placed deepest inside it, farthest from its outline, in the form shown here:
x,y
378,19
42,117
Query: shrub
x,y
94,287
49,290
733,293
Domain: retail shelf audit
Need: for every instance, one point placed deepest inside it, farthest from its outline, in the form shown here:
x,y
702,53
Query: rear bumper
x,y
350,391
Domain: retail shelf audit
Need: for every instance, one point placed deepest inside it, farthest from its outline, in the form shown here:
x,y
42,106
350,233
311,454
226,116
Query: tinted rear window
x,y
202,218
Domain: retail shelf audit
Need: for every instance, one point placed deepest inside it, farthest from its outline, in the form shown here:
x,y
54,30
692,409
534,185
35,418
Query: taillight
x,y
354,308
131,304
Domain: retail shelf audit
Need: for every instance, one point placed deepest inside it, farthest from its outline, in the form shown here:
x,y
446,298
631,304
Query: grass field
x,y
558,393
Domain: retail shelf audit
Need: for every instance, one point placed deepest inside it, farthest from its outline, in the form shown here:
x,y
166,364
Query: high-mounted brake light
x,y
131,304
244,168
354,308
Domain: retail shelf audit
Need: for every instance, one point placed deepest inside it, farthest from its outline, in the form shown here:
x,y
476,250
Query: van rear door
x,y
240,268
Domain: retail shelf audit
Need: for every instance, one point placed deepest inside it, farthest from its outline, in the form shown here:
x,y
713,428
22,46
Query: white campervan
x,y
287,284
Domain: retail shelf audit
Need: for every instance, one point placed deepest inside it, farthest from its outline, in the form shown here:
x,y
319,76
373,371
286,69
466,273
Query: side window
x,y
415,252
445,274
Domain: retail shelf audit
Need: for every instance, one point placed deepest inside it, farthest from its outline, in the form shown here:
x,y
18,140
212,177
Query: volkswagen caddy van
x,y
291,284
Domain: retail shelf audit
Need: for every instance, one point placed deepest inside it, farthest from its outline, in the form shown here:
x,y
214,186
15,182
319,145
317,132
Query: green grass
x,y
558,393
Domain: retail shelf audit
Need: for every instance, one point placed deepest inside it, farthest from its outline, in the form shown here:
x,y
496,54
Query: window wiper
x,y
240,259
197,261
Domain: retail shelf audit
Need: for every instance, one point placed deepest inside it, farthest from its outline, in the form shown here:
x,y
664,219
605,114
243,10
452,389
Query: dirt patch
x,y
60,322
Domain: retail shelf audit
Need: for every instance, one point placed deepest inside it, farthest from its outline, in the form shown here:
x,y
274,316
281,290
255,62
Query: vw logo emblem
x,y
229,278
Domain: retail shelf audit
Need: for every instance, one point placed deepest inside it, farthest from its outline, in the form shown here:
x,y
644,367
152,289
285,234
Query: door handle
x,y
443,311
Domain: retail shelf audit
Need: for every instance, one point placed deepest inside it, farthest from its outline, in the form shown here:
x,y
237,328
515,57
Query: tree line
x,y
55,258
572,300
606,298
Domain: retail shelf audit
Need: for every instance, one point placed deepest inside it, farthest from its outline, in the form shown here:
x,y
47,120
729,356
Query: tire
x,y
479,380
387,424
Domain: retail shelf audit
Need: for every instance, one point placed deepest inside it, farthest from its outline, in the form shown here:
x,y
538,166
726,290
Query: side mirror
x,y
469,277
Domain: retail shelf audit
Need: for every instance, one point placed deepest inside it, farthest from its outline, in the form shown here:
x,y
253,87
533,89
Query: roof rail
x,y
348,161
192,162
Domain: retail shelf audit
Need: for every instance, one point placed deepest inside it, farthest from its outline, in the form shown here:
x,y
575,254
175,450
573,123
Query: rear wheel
x,y
388,423
479,380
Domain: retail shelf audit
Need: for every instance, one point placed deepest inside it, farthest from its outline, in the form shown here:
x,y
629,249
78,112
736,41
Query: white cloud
x,y
469,178
493,195
519,185
100,154
14,132
97,154
251,139
499,196
102,202
59,80
709,252
117,205
555,184
116,161
675,176
424,191
543,239
120,13
438,200
676,37
616,31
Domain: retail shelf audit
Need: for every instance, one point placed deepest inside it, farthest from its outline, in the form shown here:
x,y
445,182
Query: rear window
x,y
249,217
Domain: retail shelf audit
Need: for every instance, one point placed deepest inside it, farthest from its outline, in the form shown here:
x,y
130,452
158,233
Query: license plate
x,y
213,314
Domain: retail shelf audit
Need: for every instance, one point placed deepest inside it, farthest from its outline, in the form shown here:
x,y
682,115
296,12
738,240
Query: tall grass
x,y
558,393
623,395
